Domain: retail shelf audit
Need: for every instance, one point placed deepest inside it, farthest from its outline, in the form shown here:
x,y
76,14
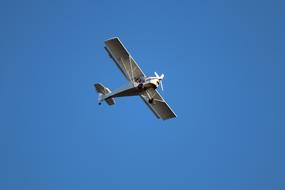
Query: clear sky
x,y
224,65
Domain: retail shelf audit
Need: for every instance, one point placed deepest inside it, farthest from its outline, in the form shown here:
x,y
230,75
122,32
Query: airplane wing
x,y
159,106
123,59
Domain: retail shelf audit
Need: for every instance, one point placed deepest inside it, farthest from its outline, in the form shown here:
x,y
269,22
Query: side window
x,y
141,79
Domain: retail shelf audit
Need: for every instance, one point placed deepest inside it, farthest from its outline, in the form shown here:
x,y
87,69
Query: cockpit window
x,y
140,79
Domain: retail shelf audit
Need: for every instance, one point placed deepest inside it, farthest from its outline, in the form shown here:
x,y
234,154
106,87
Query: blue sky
x,y
224,68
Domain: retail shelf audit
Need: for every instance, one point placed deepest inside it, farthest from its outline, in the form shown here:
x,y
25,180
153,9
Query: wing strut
x,y
125,68
151,97
130,73
132,79
123,59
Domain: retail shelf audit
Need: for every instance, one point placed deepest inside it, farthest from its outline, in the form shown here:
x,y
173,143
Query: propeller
x,y
156,74
161,85
160,79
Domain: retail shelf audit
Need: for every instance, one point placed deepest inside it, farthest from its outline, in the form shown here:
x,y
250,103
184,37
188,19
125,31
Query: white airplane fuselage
x,y
133,88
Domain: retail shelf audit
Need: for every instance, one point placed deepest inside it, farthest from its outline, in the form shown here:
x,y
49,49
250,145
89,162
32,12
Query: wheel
x,y
99,103
150,101
140,86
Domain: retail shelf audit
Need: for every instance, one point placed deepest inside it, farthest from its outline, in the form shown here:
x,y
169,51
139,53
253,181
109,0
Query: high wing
x,y
123,59
159,106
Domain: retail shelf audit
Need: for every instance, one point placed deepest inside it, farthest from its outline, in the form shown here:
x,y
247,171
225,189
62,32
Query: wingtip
x,y
112,38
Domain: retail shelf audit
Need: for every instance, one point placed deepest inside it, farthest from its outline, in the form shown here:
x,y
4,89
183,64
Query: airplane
x,y
138,83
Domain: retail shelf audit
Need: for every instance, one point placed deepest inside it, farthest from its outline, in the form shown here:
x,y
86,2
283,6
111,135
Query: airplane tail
x,y
103,91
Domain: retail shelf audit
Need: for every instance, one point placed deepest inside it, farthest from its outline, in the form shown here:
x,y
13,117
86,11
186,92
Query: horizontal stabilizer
x,y
102,90
110,101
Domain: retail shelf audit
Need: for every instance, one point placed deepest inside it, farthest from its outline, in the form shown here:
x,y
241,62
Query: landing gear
x,y
150,101
99,103
140,86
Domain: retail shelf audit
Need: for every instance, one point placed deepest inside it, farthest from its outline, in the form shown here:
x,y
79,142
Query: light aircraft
x,y
138,83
